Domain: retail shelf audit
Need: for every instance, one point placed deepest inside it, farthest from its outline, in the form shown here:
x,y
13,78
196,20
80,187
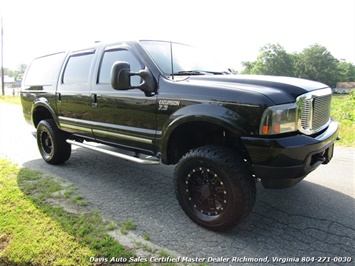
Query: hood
x,y
278,89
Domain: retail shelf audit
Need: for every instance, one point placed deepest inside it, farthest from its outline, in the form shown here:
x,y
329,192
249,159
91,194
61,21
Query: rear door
x,y
74,101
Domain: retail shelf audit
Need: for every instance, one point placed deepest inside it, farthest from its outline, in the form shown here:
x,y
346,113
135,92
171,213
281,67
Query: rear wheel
x,y
52,143
214,187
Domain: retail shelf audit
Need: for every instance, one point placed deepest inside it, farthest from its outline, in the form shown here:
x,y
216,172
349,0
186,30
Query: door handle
x,y
59,97
94,100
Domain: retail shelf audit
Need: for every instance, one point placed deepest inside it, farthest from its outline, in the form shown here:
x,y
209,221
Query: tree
x,y
317,63
17,74
248,66
314,63
273,60
22,69
346,71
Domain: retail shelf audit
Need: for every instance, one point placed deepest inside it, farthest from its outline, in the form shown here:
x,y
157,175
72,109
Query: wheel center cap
x,y
205,191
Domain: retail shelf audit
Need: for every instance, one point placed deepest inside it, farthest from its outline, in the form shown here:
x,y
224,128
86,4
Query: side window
x,y
110,57
44,70
77,69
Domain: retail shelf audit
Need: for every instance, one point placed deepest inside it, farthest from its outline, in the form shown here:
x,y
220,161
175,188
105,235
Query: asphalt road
x,y
316,218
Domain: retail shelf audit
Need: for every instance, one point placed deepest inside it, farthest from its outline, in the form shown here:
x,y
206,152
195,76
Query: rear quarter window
x,y
44,71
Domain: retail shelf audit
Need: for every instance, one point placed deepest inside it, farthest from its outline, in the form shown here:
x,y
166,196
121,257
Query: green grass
x,y
79,200
128,225
146,236
163,253
35,232
144,246
29,236
10,99
343,111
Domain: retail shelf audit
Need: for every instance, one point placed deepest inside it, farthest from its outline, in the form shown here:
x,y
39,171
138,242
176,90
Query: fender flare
x,y
210,113
43,102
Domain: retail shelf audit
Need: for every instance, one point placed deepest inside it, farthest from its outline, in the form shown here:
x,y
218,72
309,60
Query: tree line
x,y
18,73
314,63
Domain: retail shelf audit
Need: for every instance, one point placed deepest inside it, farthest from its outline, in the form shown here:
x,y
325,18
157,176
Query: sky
x,y
233,31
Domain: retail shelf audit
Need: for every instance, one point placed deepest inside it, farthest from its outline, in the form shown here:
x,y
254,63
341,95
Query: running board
x,y
152,161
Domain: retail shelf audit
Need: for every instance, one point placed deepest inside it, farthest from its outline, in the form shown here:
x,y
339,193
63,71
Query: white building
x,y
344,87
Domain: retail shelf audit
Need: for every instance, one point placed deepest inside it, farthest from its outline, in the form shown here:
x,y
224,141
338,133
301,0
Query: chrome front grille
x,y
321,111
307,113
314,111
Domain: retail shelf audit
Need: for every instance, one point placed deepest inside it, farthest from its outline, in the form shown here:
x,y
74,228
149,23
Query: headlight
x,y
279,119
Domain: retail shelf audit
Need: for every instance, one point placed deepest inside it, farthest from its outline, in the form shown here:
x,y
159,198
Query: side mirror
x,y
121,78
148,84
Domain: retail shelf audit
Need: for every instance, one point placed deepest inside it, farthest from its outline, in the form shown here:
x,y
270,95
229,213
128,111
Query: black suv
x,y
174,105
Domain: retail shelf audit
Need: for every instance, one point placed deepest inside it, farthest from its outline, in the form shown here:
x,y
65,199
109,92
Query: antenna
x,y
171,60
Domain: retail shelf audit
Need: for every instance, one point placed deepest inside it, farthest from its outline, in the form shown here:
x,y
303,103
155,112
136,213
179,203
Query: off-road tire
x,y
52,142
214,187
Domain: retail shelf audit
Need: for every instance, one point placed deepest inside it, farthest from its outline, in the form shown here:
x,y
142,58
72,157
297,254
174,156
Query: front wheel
x,y
214,187
51,143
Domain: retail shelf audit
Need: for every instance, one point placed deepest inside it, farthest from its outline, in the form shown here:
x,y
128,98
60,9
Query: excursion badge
x,y
164,104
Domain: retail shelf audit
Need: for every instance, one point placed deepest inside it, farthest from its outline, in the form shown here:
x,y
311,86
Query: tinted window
x,y
78,69
110,57
44,70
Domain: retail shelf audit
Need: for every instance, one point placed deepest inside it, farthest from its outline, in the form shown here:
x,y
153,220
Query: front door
x,y
125,118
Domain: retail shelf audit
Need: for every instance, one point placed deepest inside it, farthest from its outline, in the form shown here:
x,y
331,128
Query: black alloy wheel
x,y
52,143
46,143
214,187
206,191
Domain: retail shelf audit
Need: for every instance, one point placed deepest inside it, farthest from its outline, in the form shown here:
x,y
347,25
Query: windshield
x,y
187,60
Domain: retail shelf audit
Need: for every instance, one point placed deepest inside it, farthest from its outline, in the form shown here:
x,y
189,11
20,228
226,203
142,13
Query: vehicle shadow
x,y
307,220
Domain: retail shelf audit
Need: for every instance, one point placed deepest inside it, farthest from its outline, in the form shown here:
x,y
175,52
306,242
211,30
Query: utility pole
x,y
2,59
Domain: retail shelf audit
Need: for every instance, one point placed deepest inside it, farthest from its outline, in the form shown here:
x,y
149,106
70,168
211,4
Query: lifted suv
x,y
176,106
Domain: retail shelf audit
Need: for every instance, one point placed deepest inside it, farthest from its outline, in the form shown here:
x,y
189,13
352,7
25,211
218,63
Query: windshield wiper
x,y
217,72
200,72
189,73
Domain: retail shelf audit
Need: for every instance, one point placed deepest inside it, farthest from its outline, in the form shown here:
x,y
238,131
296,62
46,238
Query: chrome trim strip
x,y
77,128
122,136
90,127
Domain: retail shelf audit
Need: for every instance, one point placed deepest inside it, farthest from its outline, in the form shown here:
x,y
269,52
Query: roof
x,y
345,85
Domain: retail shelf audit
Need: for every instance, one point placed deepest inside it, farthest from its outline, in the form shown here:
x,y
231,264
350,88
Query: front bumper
x,y
283,162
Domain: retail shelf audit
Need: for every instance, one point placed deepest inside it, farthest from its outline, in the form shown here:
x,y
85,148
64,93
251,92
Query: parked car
x,y
168,103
